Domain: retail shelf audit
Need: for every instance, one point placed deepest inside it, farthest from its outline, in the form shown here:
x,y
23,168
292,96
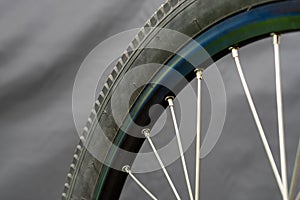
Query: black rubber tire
x,y
189,17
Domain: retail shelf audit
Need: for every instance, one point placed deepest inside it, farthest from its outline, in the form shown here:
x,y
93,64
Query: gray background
x,y
42,44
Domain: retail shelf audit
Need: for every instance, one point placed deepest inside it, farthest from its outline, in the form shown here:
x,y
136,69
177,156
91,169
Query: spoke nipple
x,y
146,132
199,73
126,169
170,99
233,47
234,51
276,38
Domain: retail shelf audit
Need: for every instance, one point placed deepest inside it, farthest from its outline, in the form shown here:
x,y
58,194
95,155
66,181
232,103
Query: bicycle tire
x,y
184,16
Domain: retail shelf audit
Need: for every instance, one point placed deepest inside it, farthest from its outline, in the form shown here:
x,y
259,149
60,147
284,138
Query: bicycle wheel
x,y
229,23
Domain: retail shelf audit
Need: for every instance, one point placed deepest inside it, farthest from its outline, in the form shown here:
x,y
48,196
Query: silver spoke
x,y
257,121
127,170
186,175
199,75
298,196
295,174
146,132
276,39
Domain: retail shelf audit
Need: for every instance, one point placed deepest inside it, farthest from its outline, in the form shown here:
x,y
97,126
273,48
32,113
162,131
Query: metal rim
x,y
278,17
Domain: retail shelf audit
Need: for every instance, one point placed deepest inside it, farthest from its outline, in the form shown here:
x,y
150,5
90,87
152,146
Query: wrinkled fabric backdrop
x,y
42,46
43,43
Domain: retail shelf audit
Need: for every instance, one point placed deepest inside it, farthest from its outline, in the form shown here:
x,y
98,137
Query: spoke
x,y
276,39
258,123
186,175
295,174
146,132
199,73
127,170
298,196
